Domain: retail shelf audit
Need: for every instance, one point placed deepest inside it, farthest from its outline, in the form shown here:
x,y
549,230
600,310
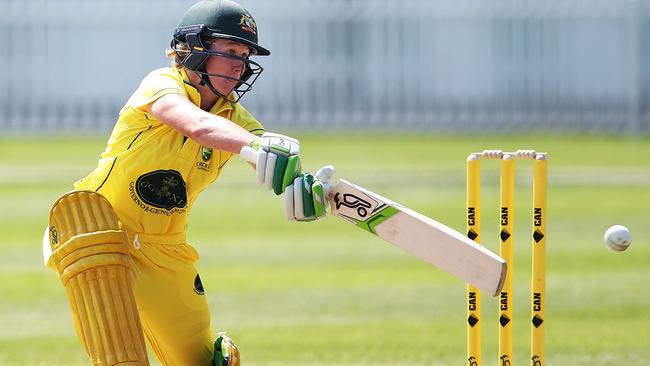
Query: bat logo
x,y
351,201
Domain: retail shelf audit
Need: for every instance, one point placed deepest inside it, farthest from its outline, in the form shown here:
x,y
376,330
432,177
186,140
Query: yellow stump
x,y
506,251
473,232
538,281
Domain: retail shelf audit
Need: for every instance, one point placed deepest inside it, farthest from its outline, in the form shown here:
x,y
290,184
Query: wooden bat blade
x,y
420,235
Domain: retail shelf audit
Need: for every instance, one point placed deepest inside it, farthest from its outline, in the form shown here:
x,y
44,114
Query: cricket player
x,y
118,239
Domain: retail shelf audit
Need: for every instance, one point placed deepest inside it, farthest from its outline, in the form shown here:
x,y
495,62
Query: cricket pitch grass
x,y
324,293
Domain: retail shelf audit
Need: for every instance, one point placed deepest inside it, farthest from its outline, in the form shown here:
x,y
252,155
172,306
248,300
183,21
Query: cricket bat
x,y
424,237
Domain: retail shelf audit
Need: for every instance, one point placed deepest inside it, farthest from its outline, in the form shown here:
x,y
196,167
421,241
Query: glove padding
x,y
305,200
278,161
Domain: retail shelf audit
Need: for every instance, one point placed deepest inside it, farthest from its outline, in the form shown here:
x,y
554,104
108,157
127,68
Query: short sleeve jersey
x,y
150,172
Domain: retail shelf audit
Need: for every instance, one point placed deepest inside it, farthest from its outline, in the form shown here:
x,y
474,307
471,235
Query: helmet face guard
x,y
198,54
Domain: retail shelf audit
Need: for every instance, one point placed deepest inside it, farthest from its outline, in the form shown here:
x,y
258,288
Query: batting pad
x,y
90,251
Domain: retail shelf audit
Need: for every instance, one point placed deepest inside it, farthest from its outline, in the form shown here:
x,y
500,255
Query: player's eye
x,y
233,52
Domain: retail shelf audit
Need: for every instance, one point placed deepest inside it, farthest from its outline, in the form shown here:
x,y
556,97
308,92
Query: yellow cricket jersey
x,y
150,172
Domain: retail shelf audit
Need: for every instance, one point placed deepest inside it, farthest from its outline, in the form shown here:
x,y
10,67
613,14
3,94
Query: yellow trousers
x,y
173,308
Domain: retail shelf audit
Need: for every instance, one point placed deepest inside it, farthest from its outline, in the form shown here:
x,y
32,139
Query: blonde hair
x,y
177,54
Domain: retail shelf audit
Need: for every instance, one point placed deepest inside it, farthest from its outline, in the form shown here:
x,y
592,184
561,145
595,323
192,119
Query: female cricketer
x,y
118,239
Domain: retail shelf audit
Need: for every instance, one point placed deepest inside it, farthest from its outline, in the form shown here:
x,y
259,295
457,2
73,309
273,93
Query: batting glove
x,y
304,200
278,161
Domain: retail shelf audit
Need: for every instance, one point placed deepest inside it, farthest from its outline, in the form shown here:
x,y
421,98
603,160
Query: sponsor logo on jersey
x,y
162,189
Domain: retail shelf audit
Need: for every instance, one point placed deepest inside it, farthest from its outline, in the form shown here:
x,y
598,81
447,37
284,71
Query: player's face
x,y
231,69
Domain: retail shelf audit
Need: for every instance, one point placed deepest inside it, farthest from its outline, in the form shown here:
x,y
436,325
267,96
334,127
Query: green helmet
x,y
221,19
210,19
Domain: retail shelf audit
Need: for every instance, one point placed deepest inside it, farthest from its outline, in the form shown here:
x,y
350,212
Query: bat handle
x,y
325,175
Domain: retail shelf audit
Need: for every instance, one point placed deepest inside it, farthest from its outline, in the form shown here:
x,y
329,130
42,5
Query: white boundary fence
x,y
457,65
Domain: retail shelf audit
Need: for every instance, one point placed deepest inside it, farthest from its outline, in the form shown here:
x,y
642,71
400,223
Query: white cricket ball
x,y
618,238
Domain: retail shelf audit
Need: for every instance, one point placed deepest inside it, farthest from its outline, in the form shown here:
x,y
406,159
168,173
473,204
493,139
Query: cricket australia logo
x,y
206,153
162,189
248,24
204,163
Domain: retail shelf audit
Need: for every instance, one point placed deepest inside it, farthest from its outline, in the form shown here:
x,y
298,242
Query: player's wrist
x,y
256,144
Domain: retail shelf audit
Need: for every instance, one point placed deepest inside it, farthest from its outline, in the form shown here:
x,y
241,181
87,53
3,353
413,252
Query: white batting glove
x,y
278,161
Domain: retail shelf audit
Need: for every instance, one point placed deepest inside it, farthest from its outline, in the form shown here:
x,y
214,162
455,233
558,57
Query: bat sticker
x,y
352,201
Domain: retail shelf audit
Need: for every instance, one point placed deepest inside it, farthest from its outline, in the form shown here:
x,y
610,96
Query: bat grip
x,y
325,175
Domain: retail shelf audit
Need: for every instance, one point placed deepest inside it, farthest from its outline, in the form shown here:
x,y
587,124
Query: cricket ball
x,y
618,238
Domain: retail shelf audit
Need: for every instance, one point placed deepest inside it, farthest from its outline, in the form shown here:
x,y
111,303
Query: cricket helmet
x,y
218,19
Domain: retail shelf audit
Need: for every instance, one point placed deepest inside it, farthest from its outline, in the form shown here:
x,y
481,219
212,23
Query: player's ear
x,y
195,60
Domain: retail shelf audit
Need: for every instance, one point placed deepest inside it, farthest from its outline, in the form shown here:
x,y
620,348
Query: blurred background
x,y
395,94
450,65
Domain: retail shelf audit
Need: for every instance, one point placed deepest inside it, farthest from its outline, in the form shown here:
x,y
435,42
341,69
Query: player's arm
x,y
205,128
279,156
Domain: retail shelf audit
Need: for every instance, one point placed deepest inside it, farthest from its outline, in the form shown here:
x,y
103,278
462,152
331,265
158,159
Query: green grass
x,y
325,293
